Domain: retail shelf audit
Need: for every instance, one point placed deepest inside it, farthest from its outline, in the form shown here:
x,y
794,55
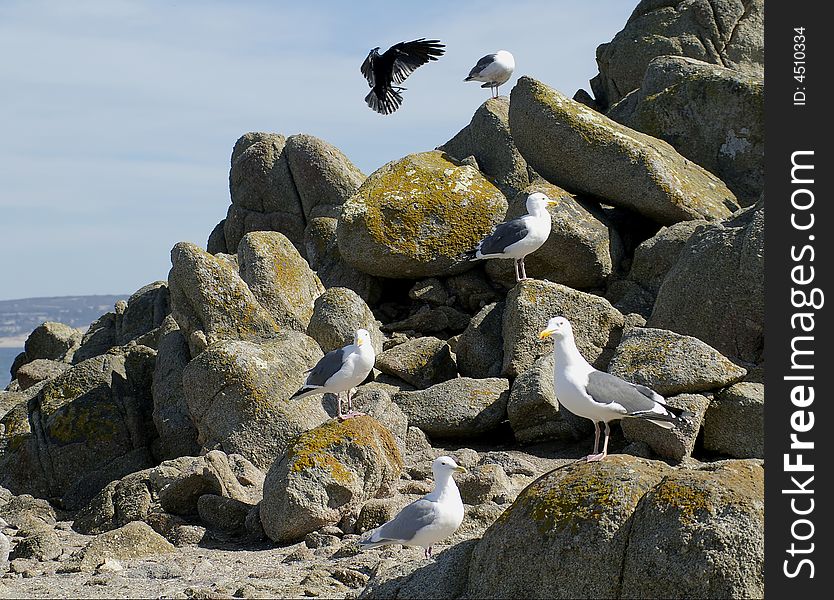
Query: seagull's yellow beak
x,y
359,341
461,470
545,334
552,202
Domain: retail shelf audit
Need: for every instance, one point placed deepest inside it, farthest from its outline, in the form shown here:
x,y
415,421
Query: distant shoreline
x,y
13,341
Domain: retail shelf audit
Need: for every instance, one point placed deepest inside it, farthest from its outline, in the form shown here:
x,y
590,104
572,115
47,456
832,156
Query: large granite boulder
x,y
487,138
322,174
280,279
565,534
728,33
715,292
238,395
458,408
421,362
416,216
712,115
322,247
581,150
671,363
210,301
480,348
699,534
596,324
53,341
654,257
734,422
146,310
326,475
132,541
177,434
676,443
581,251
40,369
337,314
90,416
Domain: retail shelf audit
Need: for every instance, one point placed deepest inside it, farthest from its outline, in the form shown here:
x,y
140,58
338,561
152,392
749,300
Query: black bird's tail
x,y
384,100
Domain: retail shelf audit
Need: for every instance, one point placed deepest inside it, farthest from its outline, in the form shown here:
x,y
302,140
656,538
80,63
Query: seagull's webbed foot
x,y
595,457
352,413
427,552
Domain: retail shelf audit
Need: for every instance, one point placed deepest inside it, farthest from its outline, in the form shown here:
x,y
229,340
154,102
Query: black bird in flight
x,y
386,71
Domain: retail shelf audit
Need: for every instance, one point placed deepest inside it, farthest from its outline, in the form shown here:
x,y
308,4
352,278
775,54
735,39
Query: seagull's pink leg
x,y
339,414
523,269
351,412
596,456
517,272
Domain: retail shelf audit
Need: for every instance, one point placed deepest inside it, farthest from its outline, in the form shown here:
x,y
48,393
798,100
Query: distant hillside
x,y
19,317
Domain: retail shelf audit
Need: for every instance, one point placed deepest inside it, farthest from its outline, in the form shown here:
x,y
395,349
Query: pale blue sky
x,y
117,117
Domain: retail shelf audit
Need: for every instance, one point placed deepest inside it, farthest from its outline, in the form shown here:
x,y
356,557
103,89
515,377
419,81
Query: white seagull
x,y
426,521
517,238
341,370
494,70
600,396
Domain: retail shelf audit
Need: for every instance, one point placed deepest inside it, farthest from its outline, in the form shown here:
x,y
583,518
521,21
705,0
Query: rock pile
x,y
170,421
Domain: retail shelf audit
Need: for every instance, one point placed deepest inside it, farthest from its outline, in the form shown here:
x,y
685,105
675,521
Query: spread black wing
x,y
367,67
405,57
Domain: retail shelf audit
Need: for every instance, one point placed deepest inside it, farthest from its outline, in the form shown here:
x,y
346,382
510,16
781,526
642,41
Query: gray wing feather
x,y
506,234
328,366
606,388
482,64
408,521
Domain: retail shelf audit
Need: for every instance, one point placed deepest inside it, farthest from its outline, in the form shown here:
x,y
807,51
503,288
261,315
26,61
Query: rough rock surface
x,y
487,138
715,292
734,422
596,324
458,408
479,350
709,522
177,434
40,369
712,115
581,150
238,395
134,540
325,475
414,217
422,362
581,251
324,257
728,33
337,314
210,301
565,534
671,363
657,255
279,278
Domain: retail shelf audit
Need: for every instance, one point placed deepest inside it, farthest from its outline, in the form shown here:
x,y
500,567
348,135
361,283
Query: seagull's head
x,y
444,466
557,328
538,202
361,337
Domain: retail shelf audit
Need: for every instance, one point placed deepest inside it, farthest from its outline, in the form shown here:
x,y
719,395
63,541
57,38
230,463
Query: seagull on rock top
x,y
341,370
386,71
599,396
494,70
426,521
517,238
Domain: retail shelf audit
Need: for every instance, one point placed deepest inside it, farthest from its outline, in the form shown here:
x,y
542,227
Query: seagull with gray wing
x,y
426,521
519,237
386,71
341,370
599,396
494,70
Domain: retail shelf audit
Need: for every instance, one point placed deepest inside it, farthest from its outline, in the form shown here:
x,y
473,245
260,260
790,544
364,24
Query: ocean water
x,y
6,358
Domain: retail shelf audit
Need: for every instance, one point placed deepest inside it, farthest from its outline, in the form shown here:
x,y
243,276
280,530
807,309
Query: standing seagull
x,y
340,371
386,71
494,70
600,396
428,520
517,238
